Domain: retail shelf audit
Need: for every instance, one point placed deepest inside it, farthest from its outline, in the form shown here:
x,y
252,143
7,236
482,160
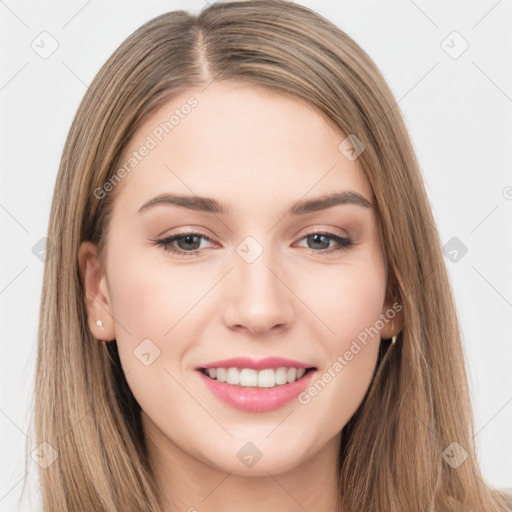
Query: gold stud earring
x,y
393,338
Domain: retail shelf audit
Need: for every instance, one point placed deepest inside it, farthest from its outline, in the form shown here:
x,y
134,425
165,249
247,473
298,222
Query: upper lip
x,y
256,364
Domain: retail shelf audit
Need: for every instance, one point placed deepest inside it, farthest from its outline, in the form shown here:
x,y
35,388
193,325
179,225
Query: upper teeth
x,y
245,377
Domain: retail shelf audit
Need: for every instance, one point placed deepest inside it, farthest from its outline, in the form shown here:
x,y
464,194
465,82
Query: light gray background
x,y
458,111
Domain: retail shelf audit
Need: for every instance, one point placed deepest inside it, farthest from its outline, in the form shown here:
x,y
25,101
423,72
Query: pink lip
x,y
260,364
252,399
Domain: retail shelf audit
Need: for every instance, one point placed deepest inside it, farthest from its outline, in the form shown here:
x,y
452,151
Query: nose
x,y
258,298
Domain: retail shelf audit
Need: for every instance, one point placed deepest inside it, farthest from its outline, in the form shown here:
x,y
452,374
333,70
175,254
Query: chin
x,y
249,460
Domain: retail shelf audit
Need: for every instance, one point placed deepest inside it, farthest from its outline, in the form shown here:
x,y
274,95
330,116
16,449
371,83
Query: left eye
x,y
186,240
320,237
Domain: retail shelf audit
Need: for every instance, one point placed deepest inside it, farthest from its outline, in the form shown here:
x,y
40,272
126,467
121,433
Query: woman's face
x,y
251,280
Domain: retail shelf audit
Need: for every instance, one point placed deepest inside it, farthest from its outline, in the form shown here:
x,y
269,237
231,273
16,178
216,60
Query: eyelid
x,y
187,230
308,231
342,233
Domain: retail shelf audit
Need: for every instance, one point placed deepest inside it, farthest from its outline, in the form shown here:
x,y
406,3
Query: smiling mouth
x,y
251,378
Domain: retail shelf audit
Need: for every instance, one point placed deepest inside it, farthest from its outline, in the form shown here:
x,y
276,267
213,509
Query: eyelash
x,y
344,242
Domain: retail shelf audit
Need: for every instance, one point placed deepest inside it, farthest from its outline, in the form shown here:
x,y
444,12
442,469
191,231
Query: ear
x,y
392,316
96,294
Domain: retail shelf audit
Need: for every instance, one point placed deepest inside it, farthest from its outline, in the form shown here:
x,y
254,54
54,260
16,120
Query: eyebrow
x,y
209,205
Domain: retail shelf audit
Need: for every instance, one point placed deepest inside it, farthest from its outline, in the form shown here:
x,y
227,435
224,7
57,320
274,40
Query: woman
x,y
255,369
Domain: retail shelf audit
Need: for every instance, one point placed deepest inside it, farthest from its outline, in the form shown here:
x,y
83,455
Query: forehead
x,y
242,144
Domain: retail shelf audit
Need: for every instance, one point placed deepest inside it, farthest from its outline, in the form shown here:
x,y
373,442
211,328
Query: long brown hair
x,y
418,403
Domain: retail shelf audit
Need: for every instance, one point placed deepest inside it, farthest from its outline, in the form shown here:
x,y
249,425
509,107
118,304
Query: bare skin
x,y
259,153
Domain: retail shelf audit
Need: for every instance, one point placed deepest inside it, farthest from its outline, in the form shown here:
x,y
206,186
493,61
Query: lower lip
x,y
252,399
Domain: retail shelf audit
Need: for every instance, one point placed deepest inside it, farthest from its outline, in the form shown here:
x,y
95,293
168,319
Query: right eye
x,y
182,240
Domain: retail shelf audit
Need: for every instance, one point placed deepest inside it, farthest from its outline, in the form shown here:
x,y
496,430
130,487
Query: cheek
x,y
358,305
152,305
348,299
350,303
351,307
149,297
